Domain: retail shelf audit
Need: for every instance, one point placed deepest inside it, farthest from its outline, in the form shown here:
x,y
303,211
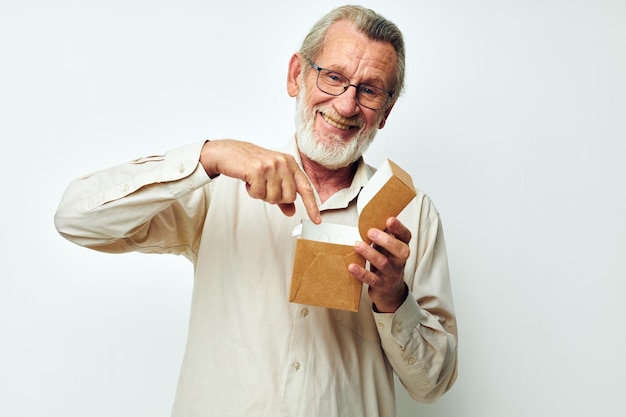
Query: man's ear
x,y
384,119
293,75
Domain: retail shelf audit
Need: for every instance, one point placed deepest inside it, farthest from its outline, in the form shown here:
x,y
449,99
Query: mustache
x,y
355,121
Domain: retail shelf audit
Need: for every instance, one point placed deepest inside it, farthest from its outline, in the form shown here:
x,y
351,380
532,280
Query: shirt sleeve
x,y
420,338
154,204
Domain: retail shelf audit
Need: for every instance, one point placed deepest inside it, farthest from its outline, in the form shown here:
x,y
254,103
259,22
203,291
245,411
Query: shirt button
x,y
380,325
296,366
305,312
190,185
411,360
181,168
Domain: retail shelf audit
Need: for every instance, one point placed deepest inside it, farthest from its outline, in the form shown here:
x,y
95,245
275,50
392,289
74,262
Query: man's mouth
x,y
339,123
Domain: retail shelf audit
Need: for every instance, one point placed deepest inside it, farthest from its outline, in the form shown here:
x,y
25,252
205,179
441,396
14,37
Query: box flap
x,y
386,194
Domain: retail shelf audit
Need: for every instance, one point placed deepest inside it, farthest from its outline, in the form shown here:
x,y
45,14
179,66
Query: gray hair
x,y
366,21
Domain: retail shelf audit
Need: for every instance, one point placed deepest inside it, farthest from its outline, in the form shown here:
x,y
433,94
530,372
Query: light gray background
x,y
513,121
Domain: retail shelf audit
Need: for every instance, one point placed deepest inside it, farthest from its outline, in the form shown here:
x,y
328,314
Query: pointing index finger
x,y
305,189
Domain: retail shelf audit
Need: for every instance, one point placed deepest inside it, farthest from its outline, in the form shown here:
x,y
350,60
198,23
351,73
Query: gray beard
x,y
330,151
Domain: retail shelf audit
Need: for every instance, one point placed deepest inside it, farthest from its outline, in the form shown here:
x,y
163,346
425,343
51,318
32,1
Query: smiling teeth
x,y
335,123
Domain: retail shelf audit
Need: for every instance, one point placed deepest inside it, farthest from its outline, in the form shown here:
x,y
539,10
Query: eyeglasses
x,y
335,84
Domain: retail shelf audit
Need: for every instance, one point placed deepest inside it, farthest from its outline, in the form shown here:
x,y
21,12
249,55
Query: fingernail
x,y
373,233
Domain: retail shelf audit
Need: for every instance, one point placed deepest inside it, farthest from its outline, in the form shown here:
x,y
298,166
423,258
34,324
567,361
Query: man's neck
x,y
328,181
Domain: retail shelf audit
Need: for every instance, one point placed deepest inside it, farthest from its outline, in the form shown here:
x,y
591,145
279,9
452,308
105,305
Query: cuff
x,y
181,162
399,326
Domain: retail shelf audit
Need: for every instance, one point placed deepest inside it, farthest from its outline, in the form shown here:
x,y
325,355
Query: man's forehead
x,y
347,49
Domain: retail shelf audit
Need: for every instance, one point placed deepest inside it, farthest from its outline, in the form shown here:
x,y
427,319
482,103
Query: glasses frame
x,y
345,88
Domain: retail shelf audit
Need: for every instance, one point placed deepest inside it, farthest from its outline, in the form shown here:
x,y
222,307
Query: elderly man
x,y
250,352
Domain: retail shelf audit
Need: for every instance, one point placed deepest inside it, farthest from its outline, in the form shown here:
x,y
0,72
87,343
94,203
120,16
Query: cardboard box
x,y
320,274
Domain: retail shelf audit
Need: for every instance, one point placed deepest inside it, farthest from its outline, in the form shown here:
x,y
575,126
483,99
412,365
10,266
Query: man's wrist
x,y
392,306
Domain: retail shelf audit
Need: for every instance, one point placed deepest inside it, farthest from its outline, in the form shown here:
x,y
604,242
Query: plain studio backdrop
x,y
513,121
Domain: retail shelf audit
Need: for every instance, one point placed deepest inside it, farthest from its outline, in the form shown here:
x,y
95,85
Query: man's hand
x,y
387,257
270,176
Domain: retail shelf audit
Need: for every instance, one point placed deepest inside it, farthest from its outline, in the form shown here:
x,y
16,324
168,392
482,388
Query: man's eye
x,y
370,91
334,77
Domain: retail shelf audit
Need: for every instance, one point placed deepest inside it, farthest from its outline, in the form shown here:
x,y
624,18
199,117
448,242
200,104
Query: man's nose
x,y
347,104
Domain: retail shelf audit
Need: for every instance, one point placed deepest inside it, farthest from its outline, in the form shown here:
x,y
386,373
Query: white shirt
x,y
250,352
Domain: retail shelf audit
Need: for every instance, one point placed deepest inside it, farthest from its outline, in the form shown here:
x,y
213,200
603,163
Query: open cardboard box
x,y
320,274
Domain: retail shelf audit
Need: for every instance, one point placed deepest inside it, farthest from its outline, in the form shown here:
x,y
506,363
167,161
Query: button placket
x,y
297,359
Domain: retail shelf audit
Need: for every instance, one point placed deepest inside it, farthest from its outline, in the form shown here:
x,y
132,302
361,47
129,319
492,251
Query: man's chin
x,y
335,165
332,152
330,158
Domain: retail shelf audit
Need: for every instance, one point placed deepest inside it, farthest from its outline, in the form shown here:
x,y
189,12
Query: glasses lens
x,y
331,82
335,84
372,97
